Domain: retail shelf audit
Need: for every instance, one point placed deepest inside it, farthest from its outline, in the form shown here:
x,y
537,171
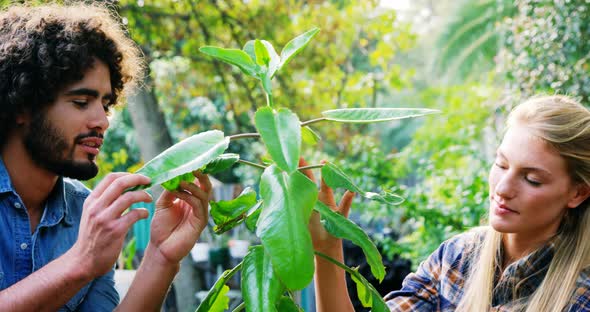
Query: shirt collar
x,y
5,184
521,278
56,207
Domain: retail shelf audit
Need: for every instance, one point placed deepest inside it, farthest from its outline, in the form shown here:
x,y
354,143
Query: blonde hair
x,y
565,125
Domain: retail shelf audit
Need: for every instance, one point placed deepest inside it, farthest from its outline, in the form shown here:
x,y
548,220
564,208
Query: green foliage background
x,y
471,59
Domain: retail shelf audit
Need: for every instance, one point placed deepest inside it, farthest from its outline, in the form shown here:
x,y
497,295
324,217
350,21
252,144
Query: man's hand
x,y
322,240
103,225
180,218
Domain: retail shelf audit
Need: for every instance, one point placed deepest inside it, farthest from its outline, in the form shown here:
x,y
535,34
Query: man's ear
x,y
582,193
23,119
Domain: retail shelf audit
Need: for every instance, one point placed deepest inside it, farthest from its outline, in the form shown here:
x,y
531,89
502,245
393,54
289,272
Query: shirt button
x,y
17,205
23,246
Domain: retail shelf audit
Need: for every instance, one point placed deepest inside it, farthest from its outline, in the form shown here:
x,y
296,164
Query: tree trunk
x,y
153,137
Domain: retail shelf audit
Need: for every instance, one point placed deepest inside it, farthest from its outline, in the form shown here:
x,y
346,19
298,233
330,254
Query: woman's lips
x,y
502,209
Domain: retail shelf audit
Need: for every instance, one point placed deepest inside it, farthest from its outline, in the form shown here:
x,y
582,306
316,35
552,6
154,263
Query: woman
x,y
535,253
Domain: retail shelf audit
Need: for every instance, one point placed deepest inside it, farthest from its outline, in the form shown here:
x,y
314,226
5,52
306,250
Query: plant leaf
x,y
253,215
295,46
234,57
334,177
174,183
185,156
217,300
286,304
229,213
250,50
309,136
221,163
362,291
342,227
262,57
366,115
261,288
282,226
376,302
275,60
281,133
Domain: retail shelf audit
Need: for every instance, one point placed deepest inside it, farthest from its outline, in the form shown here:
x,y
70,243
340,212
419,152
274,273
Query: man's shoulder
x,y
76,188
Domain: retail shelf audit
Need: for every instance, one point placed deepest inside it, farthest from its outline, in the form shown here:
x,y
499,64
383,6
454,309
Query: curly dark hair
x,y
45,48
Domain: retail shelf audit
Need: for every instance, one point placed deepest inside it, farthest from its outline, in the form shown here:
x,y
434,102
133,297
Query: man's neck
x,y
32,182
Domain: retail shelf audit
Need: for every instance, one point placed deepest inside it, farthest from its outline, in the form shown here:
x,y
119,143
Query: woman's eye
x,y
500,166
532,181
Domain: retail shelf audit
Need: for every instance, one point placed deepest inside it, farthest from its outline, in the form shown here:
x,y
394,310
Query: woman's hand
x,y
180,217
322,240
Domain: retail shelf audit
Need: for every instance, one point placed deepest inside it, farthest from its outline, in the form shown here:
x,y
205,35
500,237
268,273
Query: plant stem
x,y
269,101
310,167
336,262
227,275
309,122
245,162
241,307
244,136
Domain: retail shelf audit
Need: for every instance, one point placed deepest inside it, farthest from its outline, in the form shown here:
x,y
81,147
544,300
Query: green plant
x,y
280,214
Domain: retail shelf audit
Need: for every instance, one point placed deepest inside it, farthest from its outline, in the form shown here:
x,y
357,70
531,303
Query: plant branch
x,y
334,261
241,307
244,136
310,167
245,162
309,122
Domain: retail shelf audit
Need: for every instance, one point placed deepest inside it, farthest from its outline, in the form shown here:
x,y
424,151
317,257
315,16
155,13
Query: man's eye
x,y
80,103
107,109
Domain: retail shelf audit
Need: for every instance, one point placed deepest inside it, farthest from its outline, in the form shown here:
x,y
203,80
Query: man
x,y
61,70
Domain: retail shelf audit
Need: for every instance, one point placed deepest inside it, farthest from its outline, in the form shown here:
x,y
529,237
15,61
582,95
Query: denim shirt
x,y
22,253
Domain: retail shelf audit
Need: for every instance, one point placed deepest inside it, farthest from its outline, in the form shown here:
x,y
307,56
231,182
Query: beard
x,y
49,148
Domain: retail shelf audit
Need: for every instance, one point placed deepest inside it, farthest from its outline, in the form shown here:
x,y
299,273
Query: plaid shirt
x,y
438,283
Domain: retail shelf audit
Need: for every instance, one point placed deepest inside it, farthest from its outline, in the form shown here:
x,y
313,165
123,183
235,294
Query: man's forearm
x,y
151,283
46,289
330,283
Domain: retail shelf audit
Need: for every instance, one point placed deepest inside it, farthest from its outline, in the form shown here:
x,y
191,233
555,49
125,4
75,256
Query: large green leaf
x,y
334,177
295,46
282,226
368,295
217,300
342,227
229,213
234,57
221,163
309,136
185,156
365,115
286,304
281,133
261,288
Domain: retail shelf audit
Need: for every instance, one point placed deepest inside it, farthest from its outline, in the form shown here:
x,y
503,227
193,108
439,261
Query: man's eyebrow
x,y
89,92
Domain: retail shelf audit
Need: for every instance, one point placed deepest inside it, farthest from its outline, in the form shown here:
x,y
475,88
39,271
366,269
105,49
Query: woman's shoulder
x,y
458,248
466,241
581,296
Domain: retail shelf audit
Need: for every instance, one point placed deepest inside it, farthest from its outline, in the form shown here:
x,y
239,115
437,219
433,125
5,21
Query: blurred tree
x,y
468,42
547,48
